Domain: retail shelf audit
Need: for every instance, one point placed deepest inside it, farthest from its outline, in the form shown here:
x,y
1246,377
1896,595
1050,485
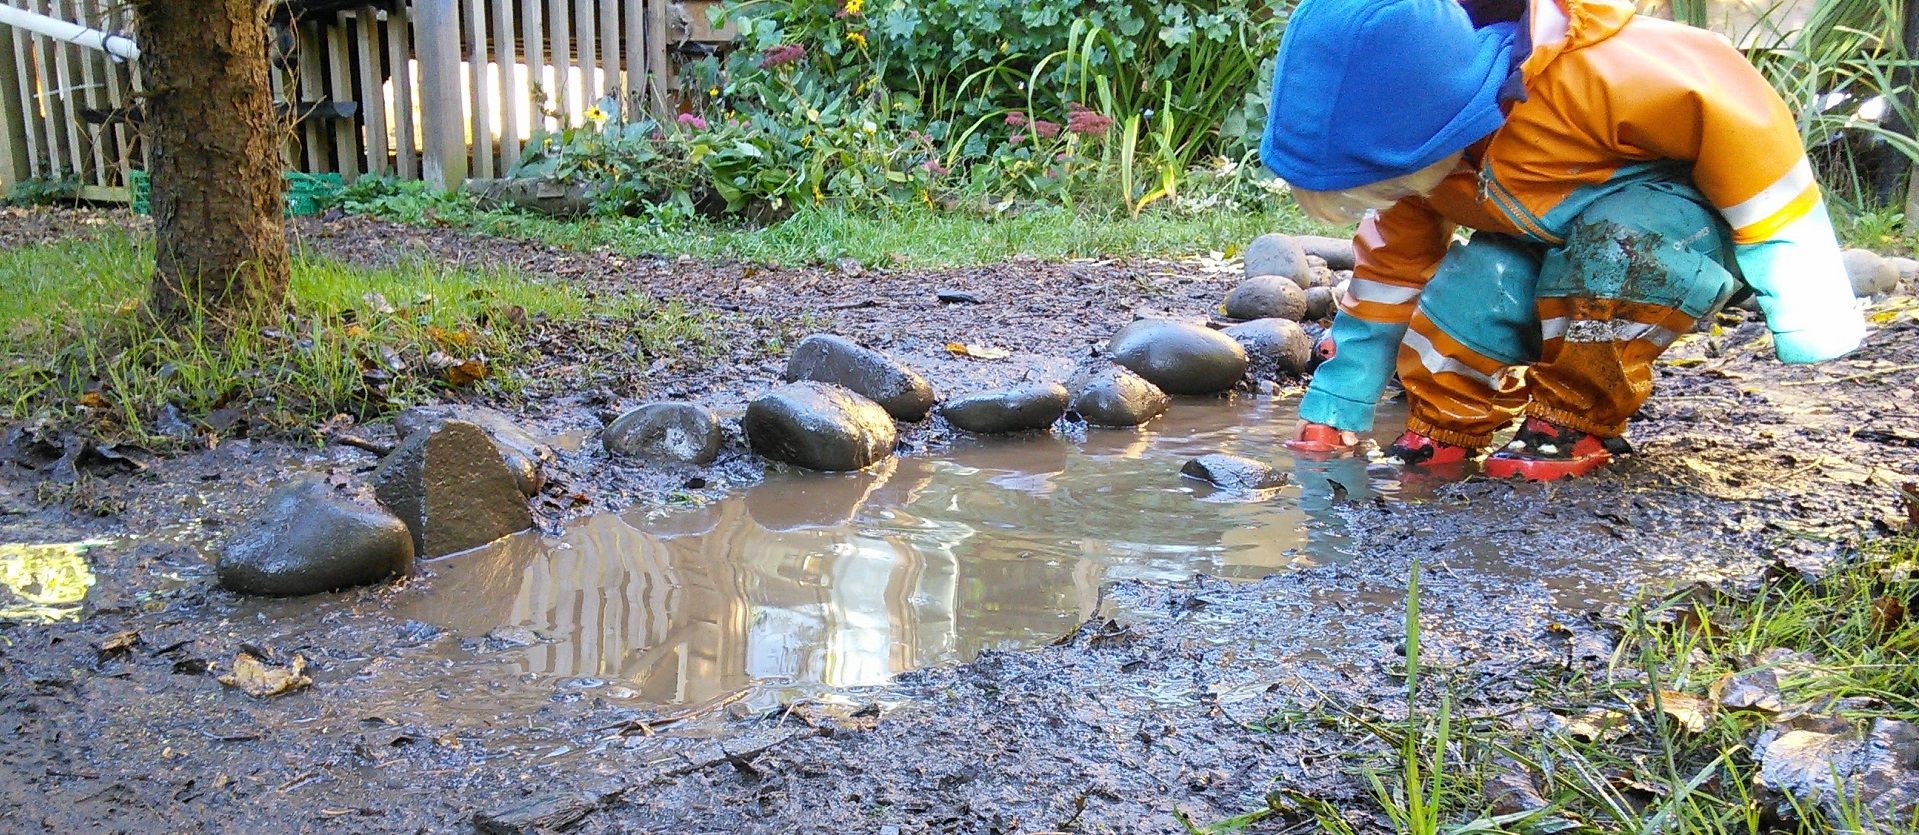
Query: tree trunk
x,y
218,197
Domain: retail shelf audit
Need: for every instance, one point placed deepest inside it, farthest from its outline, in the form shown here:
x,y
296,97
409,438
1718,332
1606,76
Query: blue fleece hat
x,y
1368,90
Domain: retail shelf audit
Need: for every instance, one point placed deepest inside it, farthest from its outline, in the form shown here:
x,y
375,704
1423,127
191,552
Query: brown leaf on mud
x,y
252,676
1597,726
978,352
1888,616
93,400
1691,712
118,643
467,373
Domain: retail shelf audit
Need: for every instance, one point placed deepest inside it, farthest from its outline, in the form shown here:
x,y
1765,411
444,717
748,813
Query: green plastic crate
x,y
305,192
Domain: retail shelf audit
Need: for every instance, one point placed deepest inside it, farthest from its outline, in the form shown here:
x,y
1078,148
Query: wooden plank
x,y
634,12
346,138
442,114
90,86
43,82
660,80
138,80
610,51
509,64
533,27
399,56
69,112
114,18
565,92
18,148
589,49
480,90
310,86
373,101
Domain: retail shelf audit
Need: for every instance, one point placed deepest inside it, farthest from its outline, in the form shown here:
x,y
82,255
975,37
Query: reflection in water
x,y
841,580
43,583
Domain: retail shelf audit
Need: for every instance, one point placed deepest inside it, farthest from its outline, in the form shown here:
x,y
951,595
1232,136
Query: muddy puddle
x,y
808,583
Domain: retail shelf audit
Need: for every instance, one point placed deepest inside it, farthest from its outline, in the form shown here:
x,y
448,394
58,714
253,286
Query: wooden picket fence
x,y
440,90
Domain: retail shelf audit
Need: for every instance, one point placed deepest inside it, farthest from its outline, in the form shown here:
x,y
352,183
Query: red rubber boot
x,y
1545,451
1416,450
1319,439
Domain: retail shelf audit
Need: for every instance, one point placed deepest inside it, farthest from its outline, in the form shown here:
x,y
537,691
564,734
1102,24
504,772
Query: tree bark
x,y
218,197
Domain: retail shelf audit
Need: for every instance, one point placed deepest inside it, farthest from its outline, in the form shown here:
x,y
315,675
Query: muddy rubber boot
x,y
1416,450
1319,441
1544,451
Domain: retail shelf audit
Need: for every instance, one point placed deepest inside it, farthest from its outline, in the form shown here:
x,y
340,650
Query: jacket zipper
x,y
1490,191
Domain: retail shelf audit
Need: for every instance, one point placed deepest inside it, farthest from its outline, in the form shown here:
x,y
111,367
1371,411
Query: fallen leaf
x,y
354,331
978,352
253,677
455,338
378,303
93,400
1756,690
118,642
1598,726
1888,616
466,373
1691,712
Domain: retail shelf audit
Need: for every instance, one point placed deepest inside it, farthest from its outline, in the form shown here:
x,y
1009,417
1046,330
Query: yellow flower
x,y
715,92
857,39
854,6
594,114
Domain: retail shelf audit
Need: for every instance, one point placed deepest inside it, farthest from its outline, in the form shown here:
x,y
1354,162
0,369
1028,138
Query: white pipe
x,y
121,47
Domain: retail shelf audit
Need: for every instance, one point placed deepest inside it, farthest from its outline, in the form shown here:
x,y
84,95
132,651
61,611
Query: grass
x,y
1659,739
908,235
76,346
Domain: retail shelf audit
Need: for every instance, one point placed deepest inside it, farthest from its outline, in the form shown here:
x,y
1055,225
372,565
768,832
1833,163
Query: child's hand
x,y
1322,439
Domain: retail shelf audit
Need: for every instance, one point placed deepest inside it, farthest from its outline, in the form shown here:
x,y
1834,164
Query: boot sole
x,y
1534,469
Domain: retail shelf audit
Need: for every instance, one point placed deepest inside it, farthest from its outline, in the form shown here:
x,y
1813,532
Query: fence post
x,y
13,118
437,27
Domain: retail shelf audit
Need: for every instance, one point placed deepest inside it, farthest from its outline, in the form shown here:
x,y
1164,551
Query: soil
x,y
1182,698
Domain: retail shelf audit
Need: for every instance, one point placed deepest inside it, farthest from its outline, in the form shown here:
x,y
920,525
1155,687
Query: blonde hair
x,y
1350,205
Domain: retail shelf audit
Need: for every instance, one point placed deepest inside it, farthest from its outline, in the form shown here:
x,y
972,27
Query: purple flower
x,y
1045,129
1088,123
776,56
692,121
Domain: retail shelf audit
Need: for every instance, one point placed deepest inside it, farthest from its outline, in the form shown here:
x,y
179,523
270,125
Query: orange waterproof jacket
x,y
1612,99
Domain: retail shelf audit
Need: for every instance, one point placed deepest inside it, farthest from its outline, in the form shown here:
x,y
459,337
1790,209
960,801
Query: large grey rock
x,y
1178,357
824,358
1017,409
1114,396
666,432
1267,297
1320,304
1277,349
819,427
523,454
1233,472
1276,254
1908,274
311,538
451,488
1336,252
1871,275
537,194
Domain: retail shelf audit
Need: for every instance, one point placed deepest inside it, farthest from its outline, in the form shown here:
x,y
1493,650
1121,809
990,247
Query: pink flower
x,y
1016,119
1045,129
1015,139
933,167
692,121
1088,123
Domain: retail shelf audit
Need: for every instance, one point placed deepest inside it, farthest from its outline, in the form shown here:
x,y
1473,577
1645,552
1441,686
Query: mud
x,y
532,697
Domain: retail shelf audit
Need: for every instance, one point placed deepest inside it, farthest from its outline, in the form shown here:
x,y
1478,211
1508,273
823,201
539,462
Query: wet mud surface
x,y
719,662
